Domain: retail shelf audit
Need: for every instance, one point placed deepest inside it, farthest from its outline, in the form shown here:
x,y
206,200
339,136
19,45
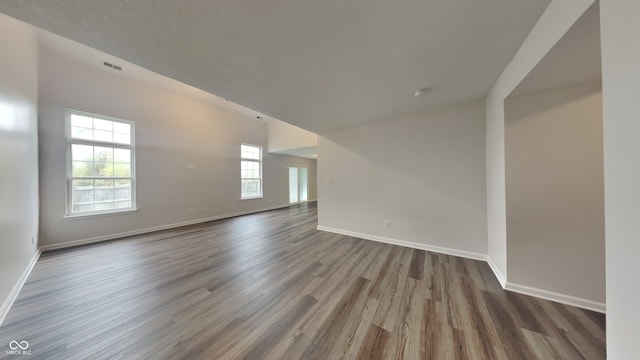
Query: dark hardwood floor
x,y
270,286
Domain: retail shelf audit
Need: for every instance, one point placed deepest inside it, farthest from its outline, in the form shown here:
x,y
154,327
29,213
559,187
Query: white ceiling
x,y
575,58
320,65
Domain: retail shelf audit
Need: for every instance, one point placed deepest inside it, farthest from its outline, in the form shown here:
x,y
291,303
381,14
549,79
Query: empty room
x,y
319,180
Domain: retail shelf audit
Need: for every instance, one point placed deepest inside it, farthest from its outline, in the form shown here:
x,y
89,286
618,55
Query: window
x,y
100,164
250,171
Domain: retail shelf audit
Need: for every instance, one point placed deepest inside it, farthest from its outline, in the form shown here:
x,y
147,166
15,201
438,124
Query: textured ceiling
x,y
321,65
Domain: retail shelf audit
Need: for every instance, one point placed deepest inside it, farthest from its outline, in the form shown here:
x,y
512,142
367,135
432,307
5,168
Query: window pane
x,y
103,190
122,138
250,169
82,152
122,191
82,195
121,170
82,168
121,128
120,204
90,194
81,121
81,133
105,125
250,152
103,161
103,153
250,188
101,135
122,155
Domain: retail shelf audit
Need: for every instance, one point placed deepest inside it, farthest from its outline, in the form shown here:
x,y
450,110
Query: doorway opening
x,y
298,184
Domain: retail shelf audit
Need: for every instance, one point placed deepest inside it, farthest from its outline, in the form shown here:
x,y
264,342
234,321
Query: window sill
x,y
99,214
251,198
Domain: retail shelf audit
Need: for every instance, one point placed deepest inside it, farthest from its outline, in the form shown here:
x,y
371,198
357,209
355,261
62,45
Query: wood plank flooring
x,y
270,286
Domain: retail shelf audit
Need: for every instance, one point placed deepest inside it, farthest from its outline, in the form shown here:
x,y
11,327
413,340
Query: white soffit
x,y
575,58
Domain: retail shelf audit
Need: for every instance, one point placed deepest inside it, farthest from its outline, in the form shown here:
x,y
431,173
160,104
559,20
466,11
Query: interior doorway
x,y
298,184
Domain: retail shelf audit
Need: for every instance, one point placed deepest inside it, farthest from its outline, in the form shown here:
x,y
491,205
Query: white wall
x,y
554,23
172,131
18,154
284,136
424,173
620,79
555,192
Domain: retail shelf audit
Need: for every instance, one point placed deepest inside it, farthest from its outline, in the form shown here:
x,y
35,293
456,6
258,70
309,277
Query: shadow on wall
x,y
439,151
555,191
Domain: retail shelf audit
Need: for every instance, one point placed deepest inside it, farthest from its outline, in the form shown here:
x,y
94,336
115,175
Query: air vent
x,y
110,65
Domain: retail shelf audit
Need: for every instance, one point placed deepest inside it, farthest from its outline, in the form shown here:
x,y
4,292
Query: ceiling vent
x,y
110,65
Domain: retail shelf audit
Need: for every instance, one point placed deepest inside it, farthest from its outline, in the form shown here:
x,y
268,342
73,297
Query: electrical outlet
x,y
387,224
33,239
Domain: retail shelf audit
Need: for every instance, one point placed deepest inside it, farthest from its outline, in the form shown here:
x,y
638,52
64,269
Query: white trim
x,y
557,297
496,271
152,229
84,215
410,244
13,295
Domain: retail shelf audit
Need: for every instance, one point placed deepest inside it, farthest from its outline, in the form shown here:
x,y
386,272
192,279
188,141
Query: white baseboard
x,y
557,297
96,239
409,244
496,271
304,202
13,295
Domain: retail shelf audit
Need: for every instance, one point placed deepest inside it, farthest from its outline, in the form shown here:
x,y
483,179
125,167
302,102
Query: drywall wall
x,y
187,153
284,136
555,191
620,79
557,19
424,173
18,155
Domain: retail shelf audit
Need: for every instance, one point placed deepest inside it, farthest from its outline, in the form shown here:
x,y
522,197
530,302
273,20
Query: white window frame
x,y
259,161
68,166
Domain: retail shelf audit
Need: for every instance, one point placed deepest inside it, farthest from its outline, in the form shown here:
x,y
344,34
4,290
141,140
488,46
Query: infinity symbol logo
x,y
23,345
